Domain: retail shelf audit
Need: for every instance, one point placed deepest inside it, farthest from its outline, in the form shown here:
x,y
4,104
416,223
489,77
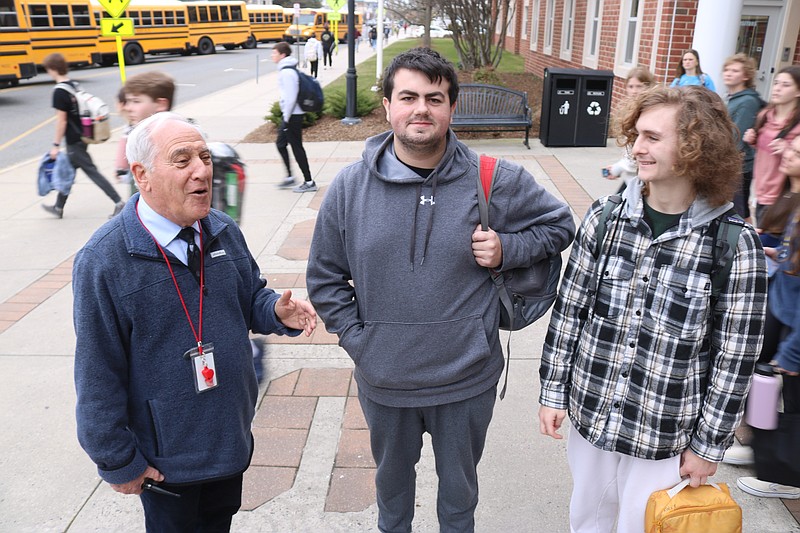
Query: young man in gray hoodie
x,y
421,317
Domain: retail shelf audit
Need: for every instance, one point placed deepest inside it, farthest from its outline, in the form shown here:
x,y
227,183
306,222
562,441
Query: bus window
x,y
180,18
236,13
213,14
223,11
147,19
8,17
80,15
192,10
39,17
158,18
203,14
169,18
60,15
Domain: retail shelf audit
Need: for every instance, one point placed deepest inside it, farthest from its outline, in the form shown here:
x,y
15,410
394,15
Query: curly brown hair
x,y
707,151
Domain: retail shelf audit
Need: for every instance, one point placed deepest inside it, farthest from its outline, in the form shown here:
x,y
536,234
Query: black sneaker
x,y
53,210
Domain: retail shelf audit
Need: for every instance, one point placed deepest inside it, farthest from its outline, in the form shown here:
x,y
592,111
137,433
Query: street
x,y
26,129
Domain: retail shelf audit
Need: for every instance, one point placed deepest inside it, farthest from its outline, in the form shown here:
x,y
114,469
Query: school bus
x,y
268,23
65,26
312,22
213,22
15,45
160,27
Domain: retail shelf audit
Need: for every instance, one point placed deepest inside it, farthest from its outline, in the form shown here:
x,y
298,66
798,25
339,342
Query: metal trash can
x,y
576,106
228,182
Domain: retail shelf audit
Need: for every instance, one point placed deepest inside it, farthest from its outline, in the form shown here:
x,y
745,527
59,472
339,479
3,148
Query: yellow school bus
x,y
160,27
65,26
312,22
268,23
15,45
213,23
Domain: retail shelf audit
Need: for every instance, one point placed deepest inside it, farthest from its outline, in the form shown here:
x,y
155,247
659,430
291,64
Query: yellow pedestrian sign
x,y
115,8
116,27
336,5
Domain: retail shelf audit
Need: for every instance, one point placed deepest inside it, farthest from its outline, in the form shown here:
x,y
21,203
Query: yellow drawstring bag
x,y
685,509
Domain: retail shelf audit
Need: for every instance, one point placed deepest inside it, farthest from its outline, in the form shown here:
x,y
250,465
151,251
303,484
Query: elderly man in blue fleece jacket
x,y
421,317
164,297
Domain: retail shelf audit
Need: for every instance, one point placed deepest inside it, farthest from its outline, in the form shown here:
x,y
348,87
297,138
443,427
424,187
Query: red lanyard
x,y
198,333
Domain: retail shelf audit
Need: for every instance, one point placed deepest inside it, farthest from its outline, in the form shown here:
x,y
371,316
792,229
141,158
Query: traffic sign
x,y
115,8
116,27
336,5
334,17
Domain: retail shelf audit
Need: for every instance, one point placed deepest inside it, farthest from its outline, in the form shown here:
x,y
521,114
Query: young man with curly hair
x,y
652,372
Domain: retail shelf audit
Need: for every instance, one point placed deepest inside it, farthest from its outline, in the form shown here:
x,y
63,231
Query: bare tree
x,y
473,23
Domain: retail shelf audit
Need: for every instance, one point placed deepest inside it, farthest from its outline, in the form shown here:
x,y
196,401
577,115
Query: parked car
x,y
437,32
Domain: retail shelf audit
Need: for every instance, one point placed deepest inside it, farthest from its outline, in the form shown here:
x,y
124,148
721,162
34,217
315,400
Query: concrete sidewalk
x,y
312,470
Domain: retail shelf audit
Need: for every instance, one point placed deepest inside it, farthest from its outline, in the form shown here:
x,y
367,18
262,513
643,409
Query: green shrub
x,y
275,116
336,103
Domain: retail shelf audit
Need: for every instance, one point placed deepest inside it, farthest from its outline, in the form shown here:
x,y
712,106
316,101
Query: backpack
x,y
309,92
96,126
726,228
525,293
684,509
311,53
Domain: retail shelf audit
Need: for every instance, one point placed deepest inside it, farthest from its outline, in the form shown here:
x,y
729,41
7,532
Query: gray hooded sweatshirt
x,y
420,319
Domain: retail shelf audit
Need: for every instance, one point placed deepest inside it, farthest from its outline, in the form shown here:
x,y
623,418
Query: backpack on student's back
x,y
309,92
96,126
725,228
311,51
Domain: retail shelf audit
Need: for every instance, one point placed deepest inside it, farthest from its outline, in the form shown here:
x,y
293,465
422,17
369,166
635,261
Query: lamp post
x,y
350,107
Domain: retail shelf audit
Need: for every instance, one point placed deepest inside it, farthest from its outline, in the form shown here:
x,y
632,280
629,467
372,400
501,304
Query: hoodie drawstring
x,y
420,200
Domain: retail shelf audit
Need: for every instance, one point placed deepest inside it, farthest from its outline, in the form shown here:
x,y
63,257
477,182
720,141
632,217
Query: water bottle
x,y
762,403
88,127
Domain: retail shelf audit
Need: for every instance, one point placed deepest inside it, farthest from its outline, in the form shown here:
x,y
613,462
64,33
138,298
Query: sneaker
x,y
738,455
117,208
288,182
766,489
53,210
306,186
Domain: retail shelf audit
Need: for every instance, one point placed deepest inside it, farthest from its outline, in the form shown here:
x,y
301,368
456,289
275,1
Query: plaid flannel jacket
x,y
643,368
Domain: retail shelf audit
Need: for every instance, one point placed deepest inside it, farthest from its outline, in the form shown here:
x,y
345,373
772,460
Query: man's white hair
x,y
140,147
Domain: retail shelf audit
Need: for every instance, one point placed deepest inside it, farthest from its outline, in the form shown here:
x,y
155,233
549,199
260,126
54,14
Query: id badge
x,y
203,369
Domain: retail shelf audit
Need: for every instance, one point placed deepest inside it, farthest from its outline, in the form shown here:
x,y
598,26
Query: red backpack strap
x,y
486,169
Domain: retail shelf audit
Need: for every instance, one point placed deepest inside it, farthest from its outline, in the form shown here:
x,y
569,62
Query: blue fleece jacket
x,y
421,317
137,403
743,108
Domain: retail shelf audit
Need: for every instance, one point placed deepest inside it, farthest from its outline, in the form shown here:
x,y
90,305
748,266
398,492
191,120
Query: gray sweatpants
x,y
80,159
458,434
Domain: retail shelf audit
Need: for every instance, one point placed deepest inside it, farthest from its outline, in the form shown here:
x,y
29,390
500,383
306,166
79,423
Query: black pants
x,y
314,67
327,56
291,133
80,159
203,507
742,197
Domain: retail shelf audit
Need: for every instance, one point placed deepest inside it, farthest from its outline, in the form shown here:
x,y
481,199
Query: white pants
x,y
610,487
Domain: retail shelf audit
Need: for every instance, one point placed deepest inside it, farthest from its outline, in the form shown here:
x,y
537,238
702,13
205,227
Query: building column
x,y
716,30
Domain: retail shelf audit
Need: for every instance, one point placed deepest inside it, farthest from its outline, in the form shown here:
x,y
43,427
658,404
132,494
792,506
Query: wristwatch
x,y
57,145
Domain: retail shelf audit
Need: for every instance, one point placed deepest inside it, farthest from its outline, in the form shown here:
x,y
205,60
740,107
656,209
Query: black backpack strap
x,y
728,228
602,225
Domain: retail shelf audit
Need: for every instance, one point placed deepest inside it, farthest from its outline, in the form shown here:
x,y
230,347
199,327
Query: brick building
x,y
617,35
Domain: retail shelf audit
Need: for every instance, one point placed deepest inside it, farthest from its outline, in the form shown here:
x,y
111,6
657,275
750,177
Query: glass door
x,y
758,35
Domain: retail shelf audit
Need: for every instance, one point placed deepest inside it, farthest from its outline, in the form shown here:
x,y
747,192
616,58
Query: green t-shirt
x,y
659,222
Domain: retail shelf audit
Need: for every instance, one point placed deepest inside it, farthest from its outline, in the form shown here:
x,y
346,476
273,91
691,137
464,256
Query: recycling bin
x,y
576,107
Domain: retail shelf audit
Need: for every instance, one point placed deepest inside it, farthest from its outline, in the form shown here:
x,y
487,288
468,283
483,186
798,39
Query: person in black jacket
x,y
328,43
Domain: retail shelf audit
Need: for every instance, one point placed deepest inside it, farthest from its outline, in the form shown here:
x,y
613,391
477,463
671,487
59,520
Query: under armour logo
x,y
423,200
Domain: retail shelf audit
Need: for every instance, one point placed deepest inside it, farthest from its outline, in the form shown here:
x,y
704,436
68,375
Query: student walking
x,y
68,126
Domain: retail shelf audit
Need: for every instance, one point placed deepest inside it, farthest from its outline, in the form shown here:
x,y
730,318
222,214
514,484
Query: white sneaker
x,y
766,489
306,186
738,455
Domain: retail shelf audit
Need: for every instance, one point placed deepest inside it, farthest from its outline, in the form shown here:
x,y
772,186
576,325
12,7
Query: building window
x,y
631,19
567,28
535,25
526,14
549,22
594,20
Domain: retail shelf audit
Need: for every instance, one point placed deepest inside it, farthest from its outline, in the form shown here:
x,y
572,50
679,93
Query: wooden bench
x,y
483,107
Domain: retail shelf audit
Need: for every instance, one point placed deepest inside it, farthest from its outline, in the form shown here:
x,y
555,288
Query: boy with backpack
x,y
651,366
69,127
312,51
290,132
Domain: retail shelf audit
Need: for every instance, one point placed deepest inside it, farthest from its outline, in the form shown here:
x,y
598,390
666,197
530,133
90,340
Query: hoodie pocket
x,y
410,356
